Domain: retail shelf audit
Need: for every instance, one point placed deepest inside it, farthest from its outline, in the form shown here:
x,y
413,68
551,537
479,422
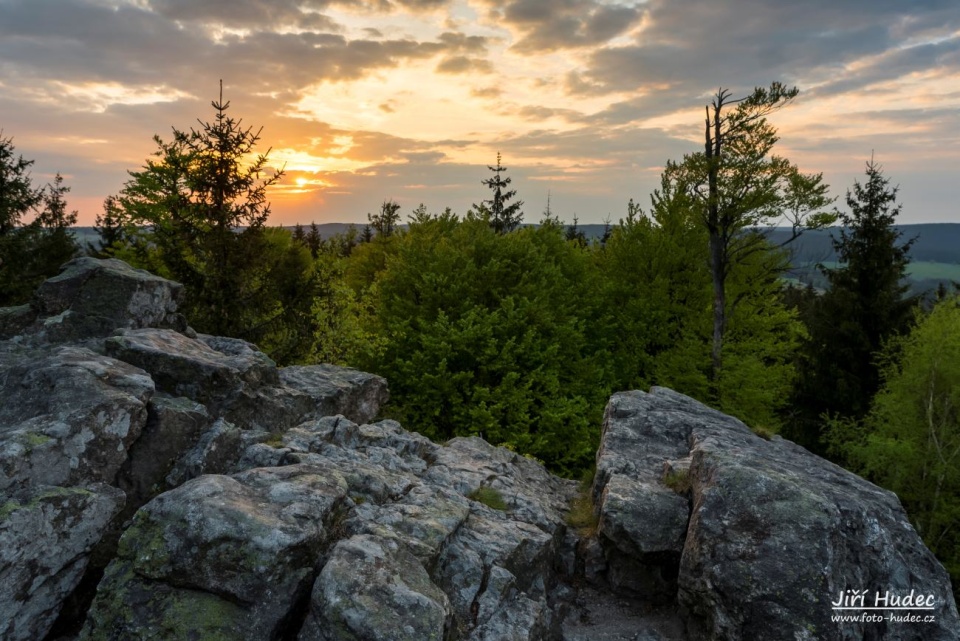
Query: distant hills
x,y
935,254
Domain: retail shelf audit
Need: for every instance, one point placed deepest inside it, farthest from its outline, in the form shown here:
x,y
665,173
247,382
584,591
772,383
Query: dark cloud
x,y
550,25
256,14
537,113
461,42
691,46
486,92
463,64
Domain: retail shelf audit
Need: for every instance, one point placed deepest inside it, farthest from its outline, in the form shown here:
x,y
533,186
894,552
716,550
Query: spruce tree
x,y
504,215
199,210
34,227
865,305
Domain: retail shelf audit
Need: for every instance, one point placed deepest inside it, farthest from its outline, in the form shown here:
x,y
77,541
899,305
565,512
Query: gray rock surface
x,y
91,298
249,543
46,534
775,533
79,412
374,588
68,415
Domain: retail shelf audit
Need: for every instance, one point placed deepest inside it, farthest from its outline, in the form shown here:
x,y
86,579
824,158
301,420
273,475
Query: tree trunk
x,y
719,308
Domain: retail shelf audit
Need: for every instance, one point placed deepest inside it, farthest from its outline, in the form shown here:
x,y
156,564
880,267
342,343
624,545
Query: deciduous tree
x,y
737,185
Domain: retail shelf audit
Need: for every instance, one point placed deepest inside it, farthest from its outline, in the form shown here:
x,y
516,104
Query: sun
x,y
301,182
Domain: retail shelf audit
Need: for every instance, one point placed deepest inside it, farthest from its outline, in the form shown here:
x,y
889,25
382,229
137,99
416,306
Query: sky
x,y
362,101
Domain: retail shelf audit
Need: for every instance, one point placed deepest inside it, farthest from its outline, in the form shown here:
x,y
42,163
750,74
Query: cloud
x,y
463,64
486,92
552,25
692,46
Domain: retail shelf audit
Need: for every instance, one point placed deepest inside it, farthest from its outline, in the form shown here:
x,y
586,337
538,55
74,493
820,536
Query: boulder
x,y
46,535
211,372
68,417
242,549
775,533
92,298
374,588
338,390
174,426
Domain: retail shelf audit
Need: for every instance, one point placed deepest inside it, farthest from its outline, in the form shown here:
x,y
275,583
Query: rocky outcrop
x,y
160,484
774,535
109,399
352,532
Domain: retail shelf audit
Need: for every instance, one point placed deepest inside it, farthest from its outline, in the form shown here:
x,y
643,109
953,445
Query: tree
x,y
865,305
385,223
200,208
737,186
504,215
55,245
910,440
659,326
485,334
109,226
34,227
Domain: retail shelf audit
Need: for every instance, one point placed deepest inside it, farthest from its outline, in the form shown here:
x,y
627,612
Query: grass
x,y
763,432
489,497
583,515
275,441
678,480
922,270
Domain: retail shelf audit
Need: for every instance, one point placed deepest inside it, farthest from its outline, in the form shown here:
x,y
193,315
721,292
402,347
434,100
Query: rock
x,y
14,320
775,533
46,534
374,588
68,416
216,452
174,426
92,297
194,368
338,390
241,551
240,383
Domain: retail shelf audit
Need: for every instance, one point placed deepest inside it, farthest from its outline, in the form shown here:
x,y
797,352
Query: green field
x,y
924,270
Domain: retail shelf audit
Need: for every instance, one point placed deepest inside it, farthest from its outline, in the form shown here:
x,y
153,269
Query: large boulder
x,y
81,419
68,417
91,298
374,588
775,534
46,535
245,546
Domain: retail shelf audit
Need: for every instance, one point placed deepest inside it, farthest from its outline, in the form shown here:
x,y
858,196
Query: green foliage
x,y
489,497
735,185
485,334
35,239
505,216
658,321
583,515
678,480
910,440
865,305
385,222
196,213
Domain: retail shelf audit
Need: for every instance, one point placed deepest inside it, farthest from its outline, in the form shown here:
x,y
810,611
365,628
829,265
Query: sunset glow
x,y
412,99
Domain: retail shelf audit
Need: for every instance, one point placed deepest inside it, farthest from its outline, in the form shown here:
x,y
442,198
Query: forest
x,y
484,325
